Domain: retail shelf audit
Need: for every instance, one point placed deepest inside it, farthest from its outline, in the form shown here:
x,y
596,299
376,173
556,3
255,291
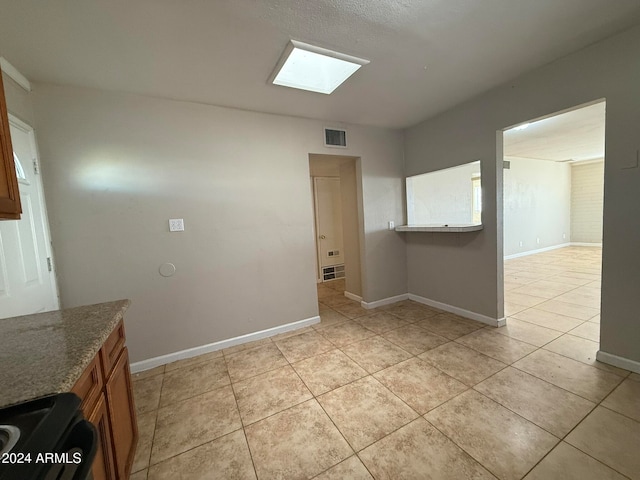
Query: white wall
x,y
441,197
116,167
351,226
587,198
466,270
537,205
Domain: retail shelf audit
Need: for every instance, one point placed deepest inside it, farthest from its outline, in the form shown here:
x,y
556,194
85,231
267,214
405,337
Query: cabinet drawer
x,y
89,386
112,348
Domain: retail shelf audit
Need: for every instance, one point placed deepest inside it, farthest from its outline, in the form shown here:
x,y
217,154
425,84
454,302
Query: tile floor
x,y
406,392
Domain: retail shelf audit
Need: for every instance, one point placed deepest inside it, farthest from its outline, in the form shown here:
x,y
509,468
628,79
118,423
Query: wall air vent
x,y
333,272
335,138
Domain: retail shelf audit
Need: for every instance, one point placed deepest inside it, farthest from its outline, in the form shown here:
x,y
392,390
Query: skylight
x,y
315,69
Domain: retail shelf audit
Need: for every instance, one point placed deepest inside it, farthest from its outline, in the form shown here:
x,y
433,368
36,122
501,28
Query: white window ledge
x,y
452,227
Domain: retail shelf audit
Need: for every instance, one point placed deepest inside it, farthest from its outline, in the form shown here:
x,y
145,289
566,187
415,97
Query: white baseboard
x,y
384,301
353,296
459,311
617,361
212,347
553,247
539,250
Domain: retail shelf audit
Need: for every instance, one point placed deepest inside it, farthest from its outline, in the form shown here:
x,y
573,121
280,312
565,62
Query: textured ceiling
x,y
572,136
426,55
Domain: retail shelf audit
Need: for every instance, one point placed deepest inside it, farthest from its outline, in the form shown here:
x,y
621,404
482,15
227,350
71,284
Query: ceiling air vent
x,y
335,138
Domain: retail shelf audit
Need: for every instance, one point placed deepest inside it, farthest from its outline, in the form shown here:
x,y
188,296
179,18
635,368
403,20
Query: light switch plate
x,y
176,225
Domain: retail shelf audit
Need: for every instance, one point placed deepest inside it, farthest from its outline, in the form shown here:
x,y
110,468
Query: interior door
x,y
27,280
328,221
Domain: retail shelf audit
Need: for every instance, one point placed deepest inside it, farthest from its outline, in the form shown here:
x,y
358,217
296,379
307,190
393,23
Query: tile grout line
x,y
596,404
415,322
242,425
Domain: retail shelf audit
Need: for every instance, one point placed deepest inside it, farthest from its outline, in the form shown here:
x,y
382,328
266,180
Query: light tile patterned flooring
x,y
406,392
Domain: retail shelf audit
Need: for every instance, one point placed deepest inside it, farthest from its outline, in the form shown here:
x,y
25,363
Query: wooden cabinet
x,y
124,429
107,401
103,466
10,208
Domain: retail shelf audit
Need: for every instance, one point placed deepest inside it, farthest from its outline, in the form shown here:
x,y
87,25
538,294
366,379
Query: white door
x,y
328,221
27,280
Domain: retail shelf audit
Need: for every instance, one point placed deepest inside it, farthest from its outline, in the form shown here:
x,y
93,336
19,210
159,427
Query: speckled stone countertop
x,y
46,353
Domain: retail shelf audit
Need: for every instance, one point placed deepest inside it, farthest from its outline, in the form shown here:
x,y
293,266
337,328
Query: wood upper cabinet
x,y
106,393
10,208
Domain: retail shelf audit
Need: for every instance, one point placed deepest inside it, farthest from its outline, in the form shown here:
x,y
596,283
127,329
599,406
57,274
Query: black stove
x,y
46,439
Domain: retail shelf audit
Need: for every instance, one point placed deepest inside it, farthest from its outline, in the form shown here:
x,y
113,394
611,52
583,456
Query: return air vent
x,y
333,272
335,138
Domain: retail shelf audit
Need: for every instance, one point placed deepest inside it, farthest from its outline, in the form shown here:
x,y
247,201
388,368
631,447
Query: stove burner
x,y
9,436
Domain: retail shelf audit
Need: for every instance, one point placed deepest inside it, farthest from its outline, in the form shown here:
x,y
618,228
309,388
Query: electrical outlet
x,y
392,225
520,243
538,241
176,225
564,236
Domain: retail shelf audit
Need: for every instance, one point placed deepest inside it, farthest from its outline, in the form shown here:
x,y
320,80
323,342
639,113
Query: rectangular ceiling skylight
x,y
315,69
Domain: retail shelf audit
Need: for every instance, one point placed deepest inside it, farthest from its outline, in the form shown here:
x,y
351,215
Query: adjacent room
x,y
553,209
295,240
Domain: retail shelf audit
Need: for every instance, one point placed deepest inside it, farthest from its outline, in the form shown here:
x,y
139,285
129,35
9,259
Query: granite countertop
x,y
45,353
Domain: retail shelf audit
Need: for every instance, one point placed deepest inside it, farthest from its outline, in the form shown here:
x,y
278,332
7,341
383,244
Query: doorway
x,y
27,279
553,188
328,222
337,221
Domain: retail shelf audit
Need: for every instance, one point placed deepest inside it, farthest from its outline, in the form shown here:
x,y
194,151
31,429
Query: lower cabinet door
x,y
103,466
124,427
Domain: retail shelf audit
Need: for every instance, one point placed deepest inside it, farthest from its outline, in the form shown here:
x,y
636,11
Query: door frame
x,y
30,131
316,222
316,230
358,210
500,194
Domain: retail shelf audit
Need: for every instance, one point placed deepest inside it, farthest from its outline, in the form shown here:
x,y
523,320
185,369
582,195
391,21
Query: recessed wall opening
x,y
337,222
553,192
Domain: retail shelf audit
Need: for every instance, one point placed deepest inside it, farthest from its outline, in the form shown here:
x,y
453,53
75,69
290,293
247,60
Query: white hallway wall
x,y
116,167
537,205
587,198
466,270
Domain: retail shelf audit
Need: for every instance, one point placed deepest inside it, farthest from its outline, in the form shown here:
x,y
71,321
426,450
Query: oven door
x,y
75,454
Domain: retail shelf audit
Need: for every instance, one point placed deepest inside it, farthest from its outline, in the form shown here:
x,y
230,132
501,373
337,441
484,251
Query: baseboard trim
x,y
553,247
500,322
539,250
384,301
617,361
212,347
353,296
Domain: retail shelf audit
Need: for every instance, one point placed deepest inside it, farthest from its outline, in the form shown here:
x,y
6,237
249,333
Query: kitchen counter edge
x,y
45,353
